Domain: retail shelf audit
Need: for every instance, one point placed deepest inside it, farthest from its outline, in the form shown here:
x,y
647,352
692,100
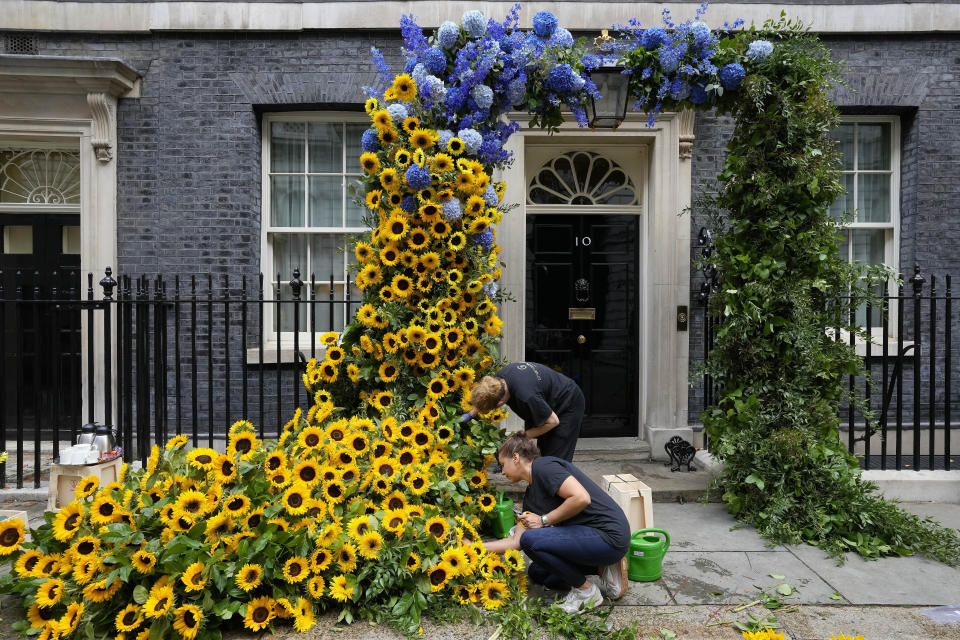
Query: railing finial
x,y
108,283
916,279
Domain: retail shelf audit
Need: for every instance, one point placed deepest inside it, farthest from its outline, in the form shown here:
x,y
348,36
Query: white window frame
x,y
266,247
892,242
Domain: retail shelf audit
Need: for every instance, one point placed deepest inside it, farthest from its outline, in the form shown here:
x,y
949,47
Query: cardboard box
x,y
634,497
65,477
606,481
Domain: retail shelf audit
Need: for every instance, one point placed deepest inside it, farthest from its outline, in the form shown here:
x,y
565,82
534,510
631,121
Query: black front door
x,y
582,312
40,264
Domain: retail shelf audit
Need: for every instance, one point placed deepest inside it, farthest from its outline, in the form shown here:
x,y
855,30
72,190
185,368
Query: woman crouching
x,y
570,527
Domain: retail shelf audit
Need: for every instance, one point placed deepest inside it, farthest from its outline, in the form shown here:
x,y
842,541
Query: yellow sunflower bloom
x,y
439,576
316,586
69,620
346,557
129,618
296,569
455,146
494,594
65,526
438,527
395,521
187,621
370,544
340,589
100,592
404,88
49,593
249,576
260,612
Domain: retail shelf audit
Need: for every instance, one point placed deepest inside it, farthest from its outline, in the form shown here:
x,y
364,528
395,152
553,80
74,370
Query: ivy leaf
x,y
753,479
784,589
836,595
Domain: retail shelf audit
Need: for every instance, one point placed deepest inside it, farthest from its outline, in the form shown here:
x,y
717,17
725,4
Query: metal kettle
x,y
87,432
103,440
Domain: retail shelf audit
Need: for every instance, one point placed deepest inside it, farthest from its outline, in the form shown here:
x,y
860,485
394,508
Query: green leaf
x,y
836,595
777,576
753,479
784,589
140,594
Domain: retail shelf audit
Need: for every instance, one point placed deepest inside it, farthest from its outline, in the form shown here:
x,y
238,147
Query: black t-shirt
x,y
602,514
536,391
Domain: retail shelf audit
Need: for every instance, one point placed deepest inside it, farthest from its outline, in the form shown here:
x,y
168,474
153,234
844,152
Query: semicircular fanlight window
x,y
582,178
39,176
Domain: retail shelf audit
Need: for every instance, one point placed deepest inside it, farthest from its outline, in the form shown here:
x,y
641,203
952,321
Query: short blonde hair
x,y
485,394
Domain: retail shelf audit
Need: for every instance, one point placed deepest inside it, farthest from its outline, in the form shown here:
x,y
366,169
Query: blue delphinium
x,y
591,62
561,38
731,75
544,24
482,95
418,178
699,30
413,38
669,60
561,79
484,239
409,65
471,139
397,112
435,60
698,94
452,209
490,196
759,49
409,204
448,34
474,23
653,38
370,141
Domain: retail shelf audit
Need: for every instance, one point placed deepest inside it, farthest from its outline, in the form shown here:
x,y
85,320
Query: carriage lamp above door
x,y
609,111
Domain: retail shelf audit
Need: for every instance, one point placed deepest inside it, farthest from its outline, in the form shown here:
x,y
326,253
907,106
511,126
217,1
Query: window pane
x,y
845,202
18,239
843,247
70,240
287,306
844,137
354,136
286,147
286,194
326,147
355,212
873,197
873,142
868,245
326,201
326,255
289,253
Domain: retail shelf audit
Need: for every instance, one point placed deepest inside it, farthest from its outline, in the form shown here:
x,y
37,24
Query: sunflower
x,y
236,505
100,592
395,227
370,162
49,593
432,342
296,498
329,371
249,576
419,238
412,562
259,613
202,459
315,587
104,511
453,471
455,146
334,491
373,199
245,443
182,522
428,359
486,502
457,559
418,482
439,576
422,138
192,502
442,163
388,136
296,569
304,617
27,563
381,119
382,400
493,594
311,439
346,557
65,526
68,621
404,88
493,326
187,621
86,486
438,527
436,388
422,438
84,570
38,616
395,521
370,544
388,179
129,618
340,588
143,561
407,456
395,500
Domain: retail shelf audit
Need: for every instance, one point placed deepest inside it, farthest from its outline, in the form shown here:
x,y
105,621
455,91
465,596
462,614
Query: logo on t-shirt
x,y
523,365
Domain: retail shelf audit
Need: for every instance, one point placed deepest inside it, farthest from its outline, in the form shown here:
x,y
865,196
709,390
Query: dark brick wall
x,y
918,80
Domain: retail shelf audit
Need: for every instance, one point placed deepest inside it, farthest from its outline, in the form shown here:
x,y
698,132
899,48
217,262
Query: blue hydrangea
x,y
448,34
653,38
434,87
398,112
591,62
443,137
669,60
759,49
484,239
452,210
409,204
471,139
561,38
700,30
435,60
516,91
698,94
490,196
474,23
419,74
418,178
482,95
680,90
370,141
409,65
544,24
731,75
561,79
491,288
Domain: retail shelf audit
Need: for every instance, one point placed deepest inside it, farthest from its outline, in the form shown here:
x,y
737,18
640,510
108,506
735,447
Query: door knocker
x,y
581,290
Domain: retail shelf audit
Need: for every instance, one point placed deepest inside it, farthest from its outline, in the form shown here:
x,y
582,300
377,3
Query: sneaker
x,y
578,600
613,579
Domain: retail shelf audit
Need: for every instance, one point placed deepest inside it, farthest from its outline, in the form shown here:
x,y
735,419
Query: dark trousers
x,y
563,557
562,439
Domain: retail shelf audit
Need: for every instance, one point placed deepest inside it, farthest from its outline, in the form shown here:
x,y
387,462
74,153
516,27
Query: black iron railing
x,y
911,366
153,357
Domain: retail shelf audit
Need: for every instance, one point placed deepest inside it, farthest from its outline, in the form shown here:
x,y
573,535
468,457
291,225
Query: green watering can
x,y
502,517
645,557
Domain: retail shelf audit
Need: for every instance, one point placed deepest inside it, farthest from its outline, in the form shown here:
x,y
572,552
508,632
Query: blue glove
x,y
467,417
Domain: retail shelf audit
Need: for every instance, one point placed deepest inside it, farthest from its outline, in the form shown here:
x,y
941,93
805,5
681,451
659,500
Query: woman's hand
x,y
530,520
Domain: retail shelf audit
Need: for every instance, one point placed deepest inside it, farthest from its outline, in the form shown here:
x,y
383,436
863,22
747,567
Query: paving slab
x,y
904,581
695,526
874,623
945,513
718,577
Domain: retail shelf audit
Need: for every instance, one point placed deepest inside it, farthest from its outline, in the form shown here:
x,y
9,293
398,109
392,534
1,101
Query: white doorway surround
x,y
71,102
663,153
